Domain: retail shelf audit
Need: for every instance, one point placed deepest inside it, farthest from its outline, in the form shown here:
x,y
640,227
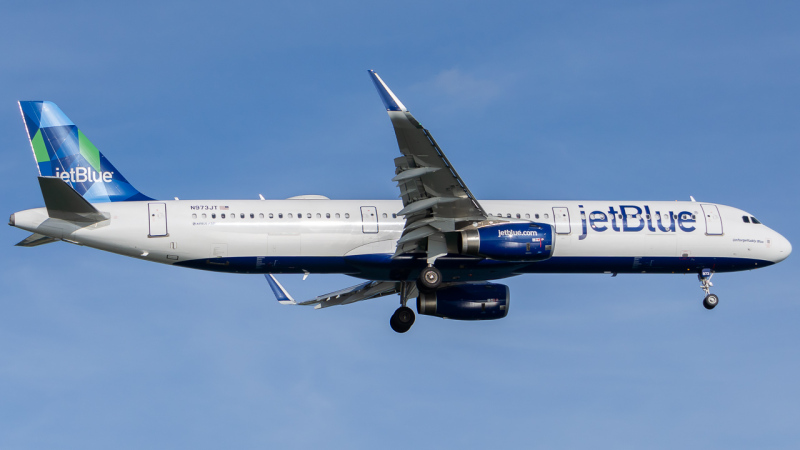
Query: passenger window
x,y
394,216
194,216
754,220
346,215
299,215
289,216
337,215
271,216
261,215
527,216
280,215
694,217
221,215
745,219
252,216
536,216
327,215
508,215
213,215
385,216
547,216
518,216
241,215
308,215
319,216
204,215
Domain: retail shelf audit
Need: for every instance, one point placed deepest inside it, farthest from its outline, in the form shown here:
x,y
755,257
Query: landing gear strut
x,y
403,318
711,300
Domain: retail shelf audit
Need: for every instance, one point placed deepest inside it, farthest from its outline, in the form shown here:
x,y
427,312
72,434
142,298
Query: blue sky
x,y
542,100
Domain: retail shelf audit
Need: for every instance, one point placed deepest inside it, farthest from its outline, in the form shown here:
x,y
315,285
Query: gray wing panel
x,y
435,198
424,172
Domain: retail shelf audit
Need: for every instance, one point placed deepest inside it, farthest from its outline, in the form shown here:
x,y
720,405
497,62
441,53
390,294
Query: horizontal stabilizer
x,y
35,239
65,203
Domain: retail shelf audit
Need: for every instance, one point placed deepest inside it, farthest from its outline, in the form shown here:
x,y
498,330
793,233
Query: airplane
x,y
438,244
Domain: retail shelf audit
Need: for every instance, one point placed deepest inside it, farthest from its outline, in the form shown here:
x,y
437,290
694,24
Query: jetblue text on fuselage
x,y
632,218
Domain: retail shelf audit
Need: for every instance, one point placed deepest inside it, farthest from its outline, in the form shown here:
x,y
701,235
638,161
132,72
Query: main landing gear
x,y
403,318
429,279
711,300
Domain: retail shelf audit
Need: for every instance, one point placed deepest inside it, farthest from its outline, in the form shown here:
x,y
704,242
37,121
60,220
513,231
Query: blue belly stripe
x,y
459,268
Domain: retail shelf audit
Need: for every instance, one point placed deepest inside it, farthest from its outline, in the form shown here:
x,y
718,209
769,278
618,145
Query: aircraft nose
x,y
782,248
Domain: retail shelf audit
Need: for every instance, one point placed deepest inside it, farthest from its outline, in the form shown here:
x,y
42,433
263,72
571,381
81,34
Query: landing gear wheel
x,y
710,301
429,279
402,319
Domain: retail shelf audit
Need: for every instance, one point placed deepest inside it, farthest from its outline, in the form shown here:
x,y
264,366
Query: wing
x,y
435,198
363,291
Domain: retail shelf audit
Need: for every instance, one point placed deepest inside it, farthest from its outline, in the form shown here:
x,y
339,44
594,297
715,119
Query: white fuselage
x,y
319,235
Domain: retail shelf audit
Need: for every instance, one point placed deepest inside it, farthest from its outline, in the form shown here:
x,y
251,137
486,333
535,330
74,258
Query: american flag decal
x,y
224,208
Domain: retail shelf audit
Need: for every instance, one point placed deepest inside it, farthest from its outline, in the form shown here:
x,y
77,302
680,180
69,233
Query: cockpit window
x,y
746,219
754,219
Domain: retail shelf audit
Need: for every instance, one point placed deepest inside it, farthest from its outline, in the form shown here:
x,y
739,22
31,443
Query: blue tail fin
x,y
63,151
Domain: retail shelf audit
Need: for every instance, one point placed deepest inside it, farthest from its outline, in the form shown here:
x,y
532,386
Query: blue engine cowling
x,y
509,241
468,301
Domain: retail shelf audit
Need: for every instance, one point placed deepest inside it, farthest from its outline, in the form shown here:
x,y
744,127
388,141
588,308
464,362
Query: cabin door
x,y
158,219
561,216
369,219
713,219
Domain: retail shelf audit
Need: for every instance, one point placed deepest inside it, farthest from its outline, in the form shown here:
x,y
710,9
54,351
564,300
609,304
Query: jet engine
x,y
509,242
468,301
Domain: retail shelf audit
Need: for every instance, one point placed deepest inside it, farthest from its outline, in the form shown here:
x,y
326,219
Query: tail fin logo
x,y
62,150
84,175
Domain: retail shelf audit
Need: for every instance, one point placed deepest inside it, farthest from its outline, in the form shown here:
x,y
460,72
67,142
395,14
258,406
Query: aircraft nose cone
x,y
783,248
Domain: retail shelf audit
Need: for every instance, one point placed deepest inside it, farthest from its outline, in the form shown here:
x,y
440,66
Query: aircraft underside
x,y
456,268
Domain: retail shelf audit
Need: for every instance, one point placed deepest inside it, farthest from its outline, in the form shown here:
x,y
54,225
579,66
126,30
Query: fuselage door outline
x,y
369,219
561,217
157,215
713,220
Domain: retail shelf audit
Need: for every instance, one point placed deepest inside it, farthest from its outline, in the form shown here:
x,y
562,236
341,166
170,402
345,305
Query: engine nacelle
x,y
510,241
469,301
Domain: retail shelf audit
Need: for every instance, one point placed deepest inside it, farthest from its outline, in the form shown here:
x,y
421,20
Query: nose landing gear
x,y
711,300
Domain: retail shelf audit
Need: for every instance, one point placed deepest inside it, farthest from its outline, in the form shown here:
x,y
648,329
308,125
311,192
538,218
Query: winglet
x,y
390,101
281,295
